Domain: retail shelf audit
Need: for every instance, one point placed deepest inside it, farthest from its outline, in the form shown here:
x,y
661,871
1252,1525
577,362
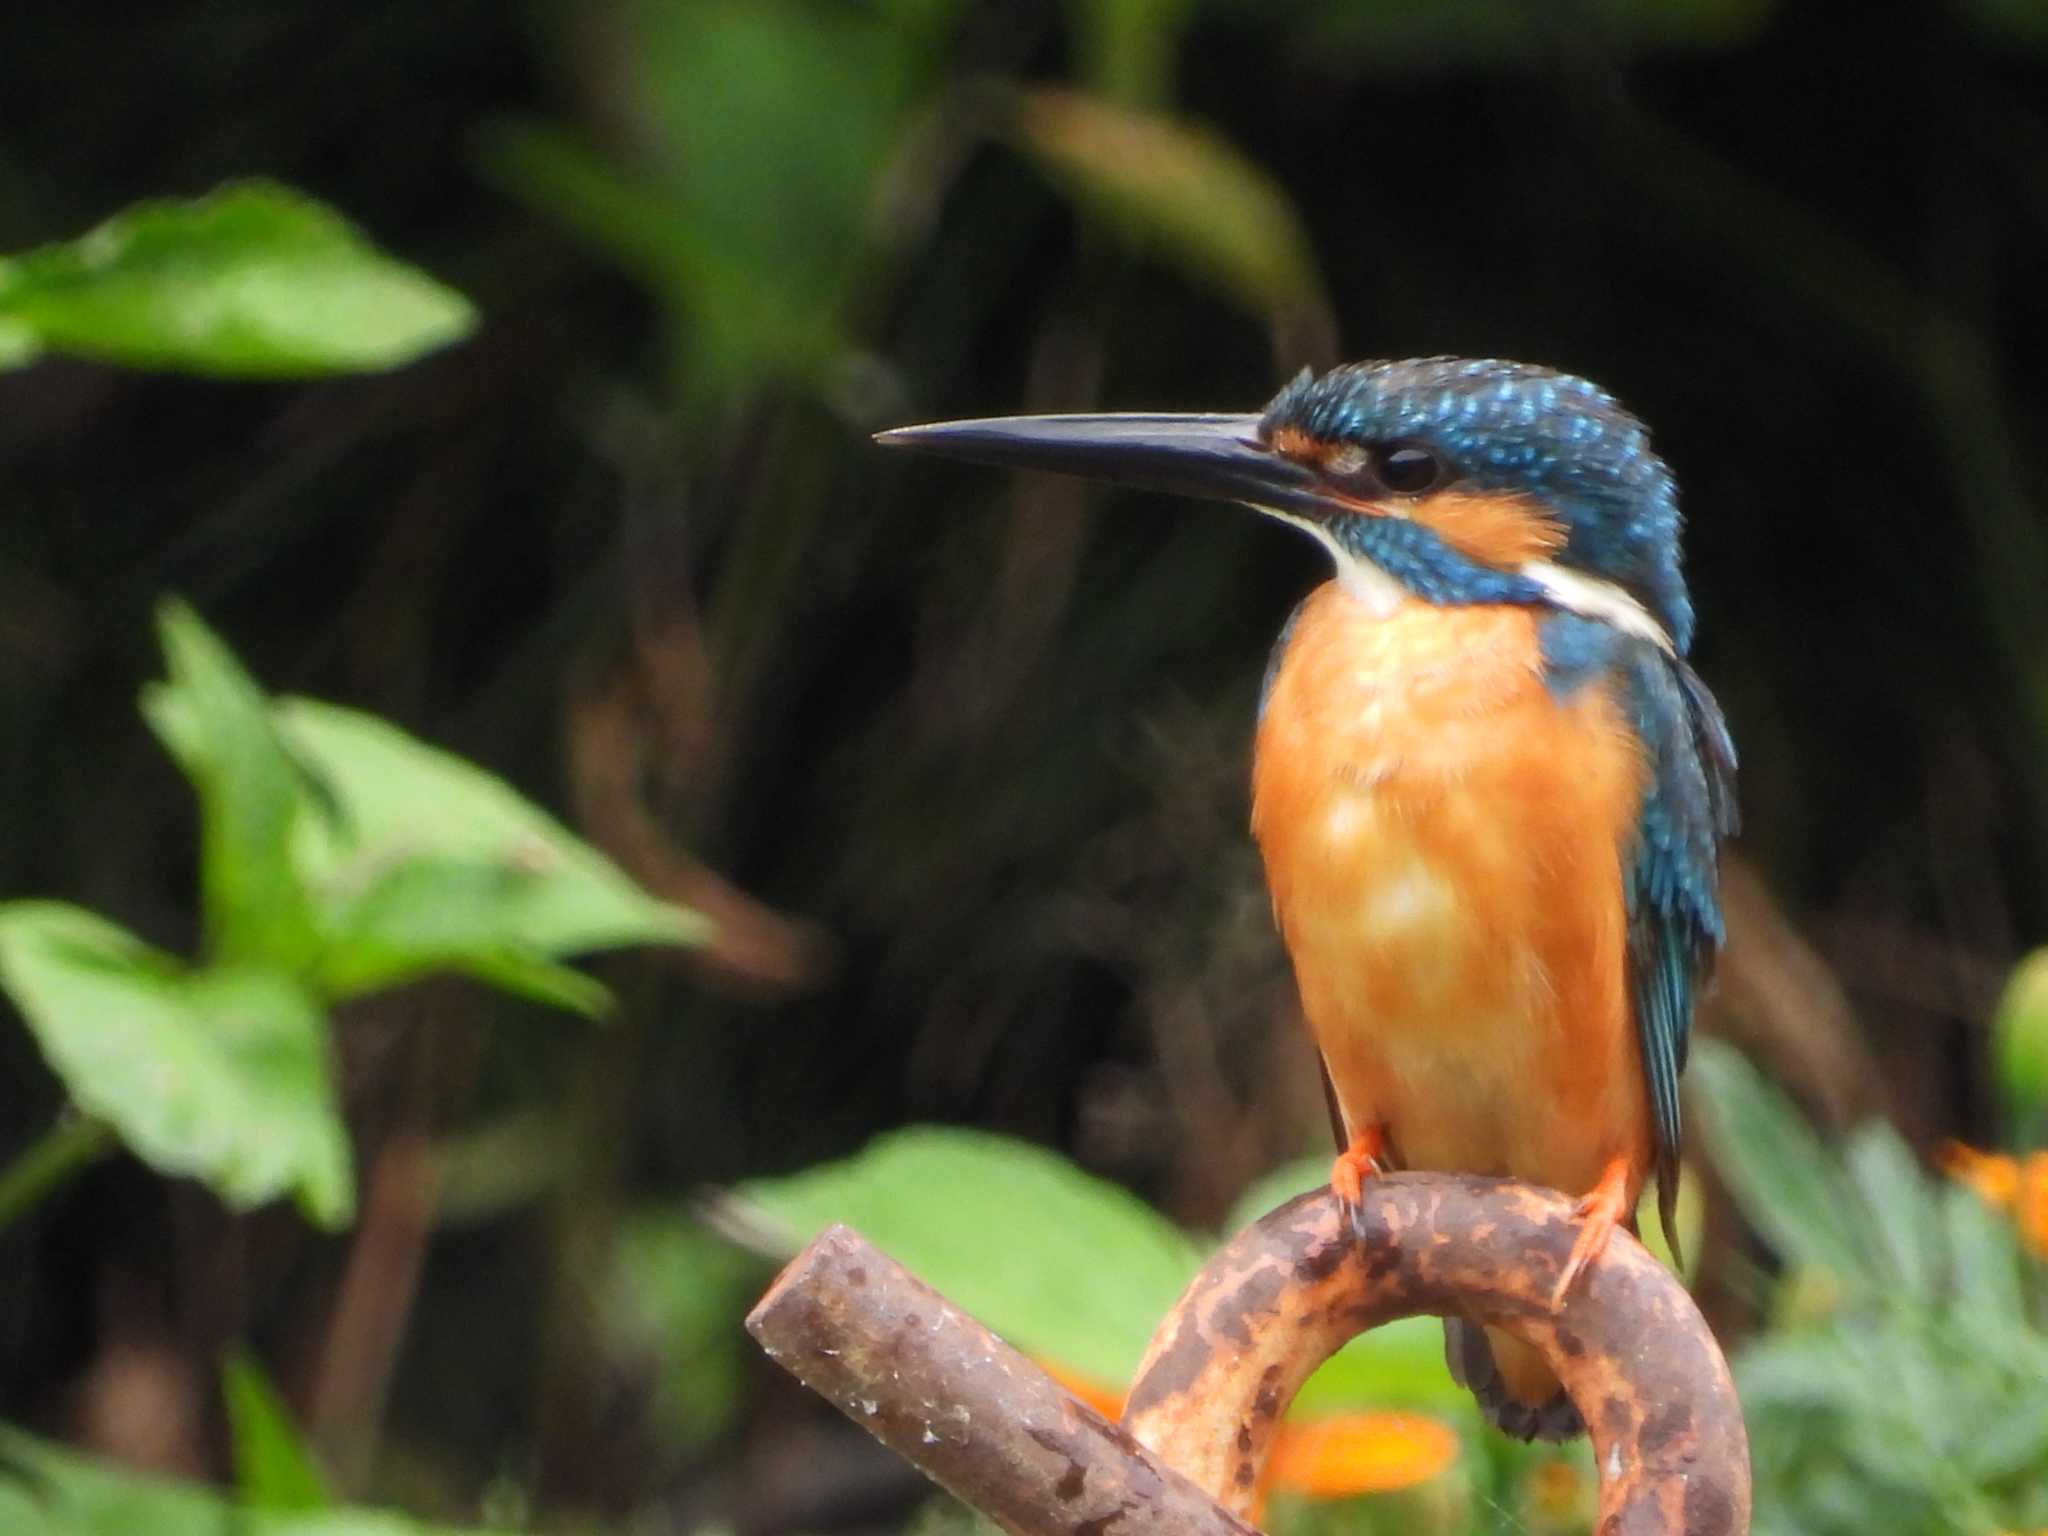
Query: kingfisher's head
x,y
1444,479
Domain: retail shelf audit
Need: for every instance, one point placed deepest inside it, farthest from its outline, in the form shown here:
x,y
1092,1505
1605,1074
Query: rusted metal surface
x,y
1628,1343
965,1408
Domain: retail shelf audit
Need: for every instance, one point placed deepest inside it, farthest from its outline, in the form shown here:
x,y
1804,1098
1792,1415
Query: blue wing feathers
x,y
1673,870
1674,905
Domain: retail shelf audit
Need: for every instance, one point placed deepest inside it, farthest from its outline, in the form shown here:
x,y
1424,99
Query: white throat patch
x,y
1363,582
1575,592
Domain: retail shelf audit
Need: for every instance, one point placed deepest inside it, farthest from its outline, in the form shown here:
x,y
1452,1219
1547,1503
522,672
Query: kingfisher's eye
x,y
1408,469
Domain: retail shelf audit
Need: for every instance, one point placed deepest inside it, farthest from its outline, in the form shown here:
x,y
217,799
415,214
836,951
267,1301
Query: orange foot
x,y
1355,1164
1600,1212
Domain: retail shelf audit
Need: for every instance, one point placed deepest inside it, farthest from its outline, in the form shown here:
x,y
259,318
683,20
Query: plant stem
x,y
71,1144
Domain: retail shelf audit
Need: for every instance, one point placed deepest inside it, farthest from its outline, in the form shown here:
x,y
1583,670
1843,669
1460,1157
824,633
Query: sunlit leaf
x,y
219,1075
1062,1264
274,1469
422,861
74,1495
1177,191
336,846
217,723
253,280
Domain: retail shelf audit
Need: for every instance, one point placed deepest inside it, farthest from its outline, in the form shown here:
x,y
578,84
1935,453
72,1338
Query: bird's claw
x,y
1598,1214
1354,1165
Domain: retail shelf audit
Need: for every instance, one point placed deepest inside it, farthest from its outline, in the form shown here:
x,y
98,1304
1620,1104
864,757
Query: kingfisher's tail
x,y
1514,1385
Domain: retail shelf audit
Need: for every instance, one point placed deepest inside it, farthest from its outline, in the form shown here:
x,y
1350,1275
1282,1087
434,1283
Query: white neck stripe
x,y
1592,598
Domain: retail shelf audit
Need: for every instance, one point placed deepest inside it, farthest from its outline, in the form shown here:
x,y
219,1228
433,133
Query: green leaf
x,y
1789,1185
219,1075
772,124
1267,1194
1905,1221
677,1296
18,344
1068,1267
255,280
1176,190
2019,1036
1984,1262
215,720
1127,48
422,861
273,1467
62,1493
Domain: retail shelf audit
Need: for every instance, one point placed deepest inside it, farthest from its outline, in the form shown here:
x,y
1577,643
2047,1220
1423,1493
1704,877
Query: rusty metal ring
x,y
1629,1345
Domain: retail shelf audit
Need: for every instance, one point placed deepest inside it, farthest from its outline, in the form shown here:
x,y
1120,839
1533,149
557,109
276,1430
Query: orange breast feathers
x,y
1444,842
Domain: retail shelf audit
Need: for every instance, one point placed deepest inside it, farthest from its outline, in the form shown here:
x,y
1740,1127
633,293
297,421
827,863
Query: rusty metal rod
x,y
985,1423
962,1406
1628,1343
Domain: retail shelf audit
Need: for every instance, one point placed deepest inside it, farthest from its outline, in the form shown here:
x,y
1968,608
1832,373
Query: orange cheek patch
x,y
1496,529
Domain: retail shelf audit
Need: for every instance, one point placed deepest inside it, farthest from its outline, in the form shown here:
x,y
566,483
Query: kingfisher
x,y
1488,790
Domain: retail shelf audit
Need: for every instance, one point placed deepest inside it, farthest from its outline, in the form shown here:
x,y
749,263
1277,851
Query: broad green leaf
x,y
1066,1266
66,1494
337,846
1904,1219
254,280
219,1075
1788,1184
216,722
2020,1039
677,1295
274,1469
423,861
1177,191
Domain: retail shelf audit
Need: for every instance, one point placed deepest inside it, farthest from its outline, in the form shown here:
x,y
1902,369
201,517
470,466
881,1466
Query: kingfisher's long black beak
x,y
1216,457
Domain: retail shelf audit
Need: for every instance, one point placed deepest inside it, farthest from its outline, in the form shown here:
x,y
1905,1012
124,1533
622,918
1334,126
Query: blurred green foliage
x,y
48,1491
1899,1388
2020,1049
337,856
253,281
273,1467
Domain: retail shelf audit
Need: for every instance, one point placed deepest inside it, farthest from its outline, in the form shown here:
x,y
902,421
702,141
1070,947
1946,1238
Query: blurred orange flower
x,y
1360,1453
2018,1185
1333,1458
